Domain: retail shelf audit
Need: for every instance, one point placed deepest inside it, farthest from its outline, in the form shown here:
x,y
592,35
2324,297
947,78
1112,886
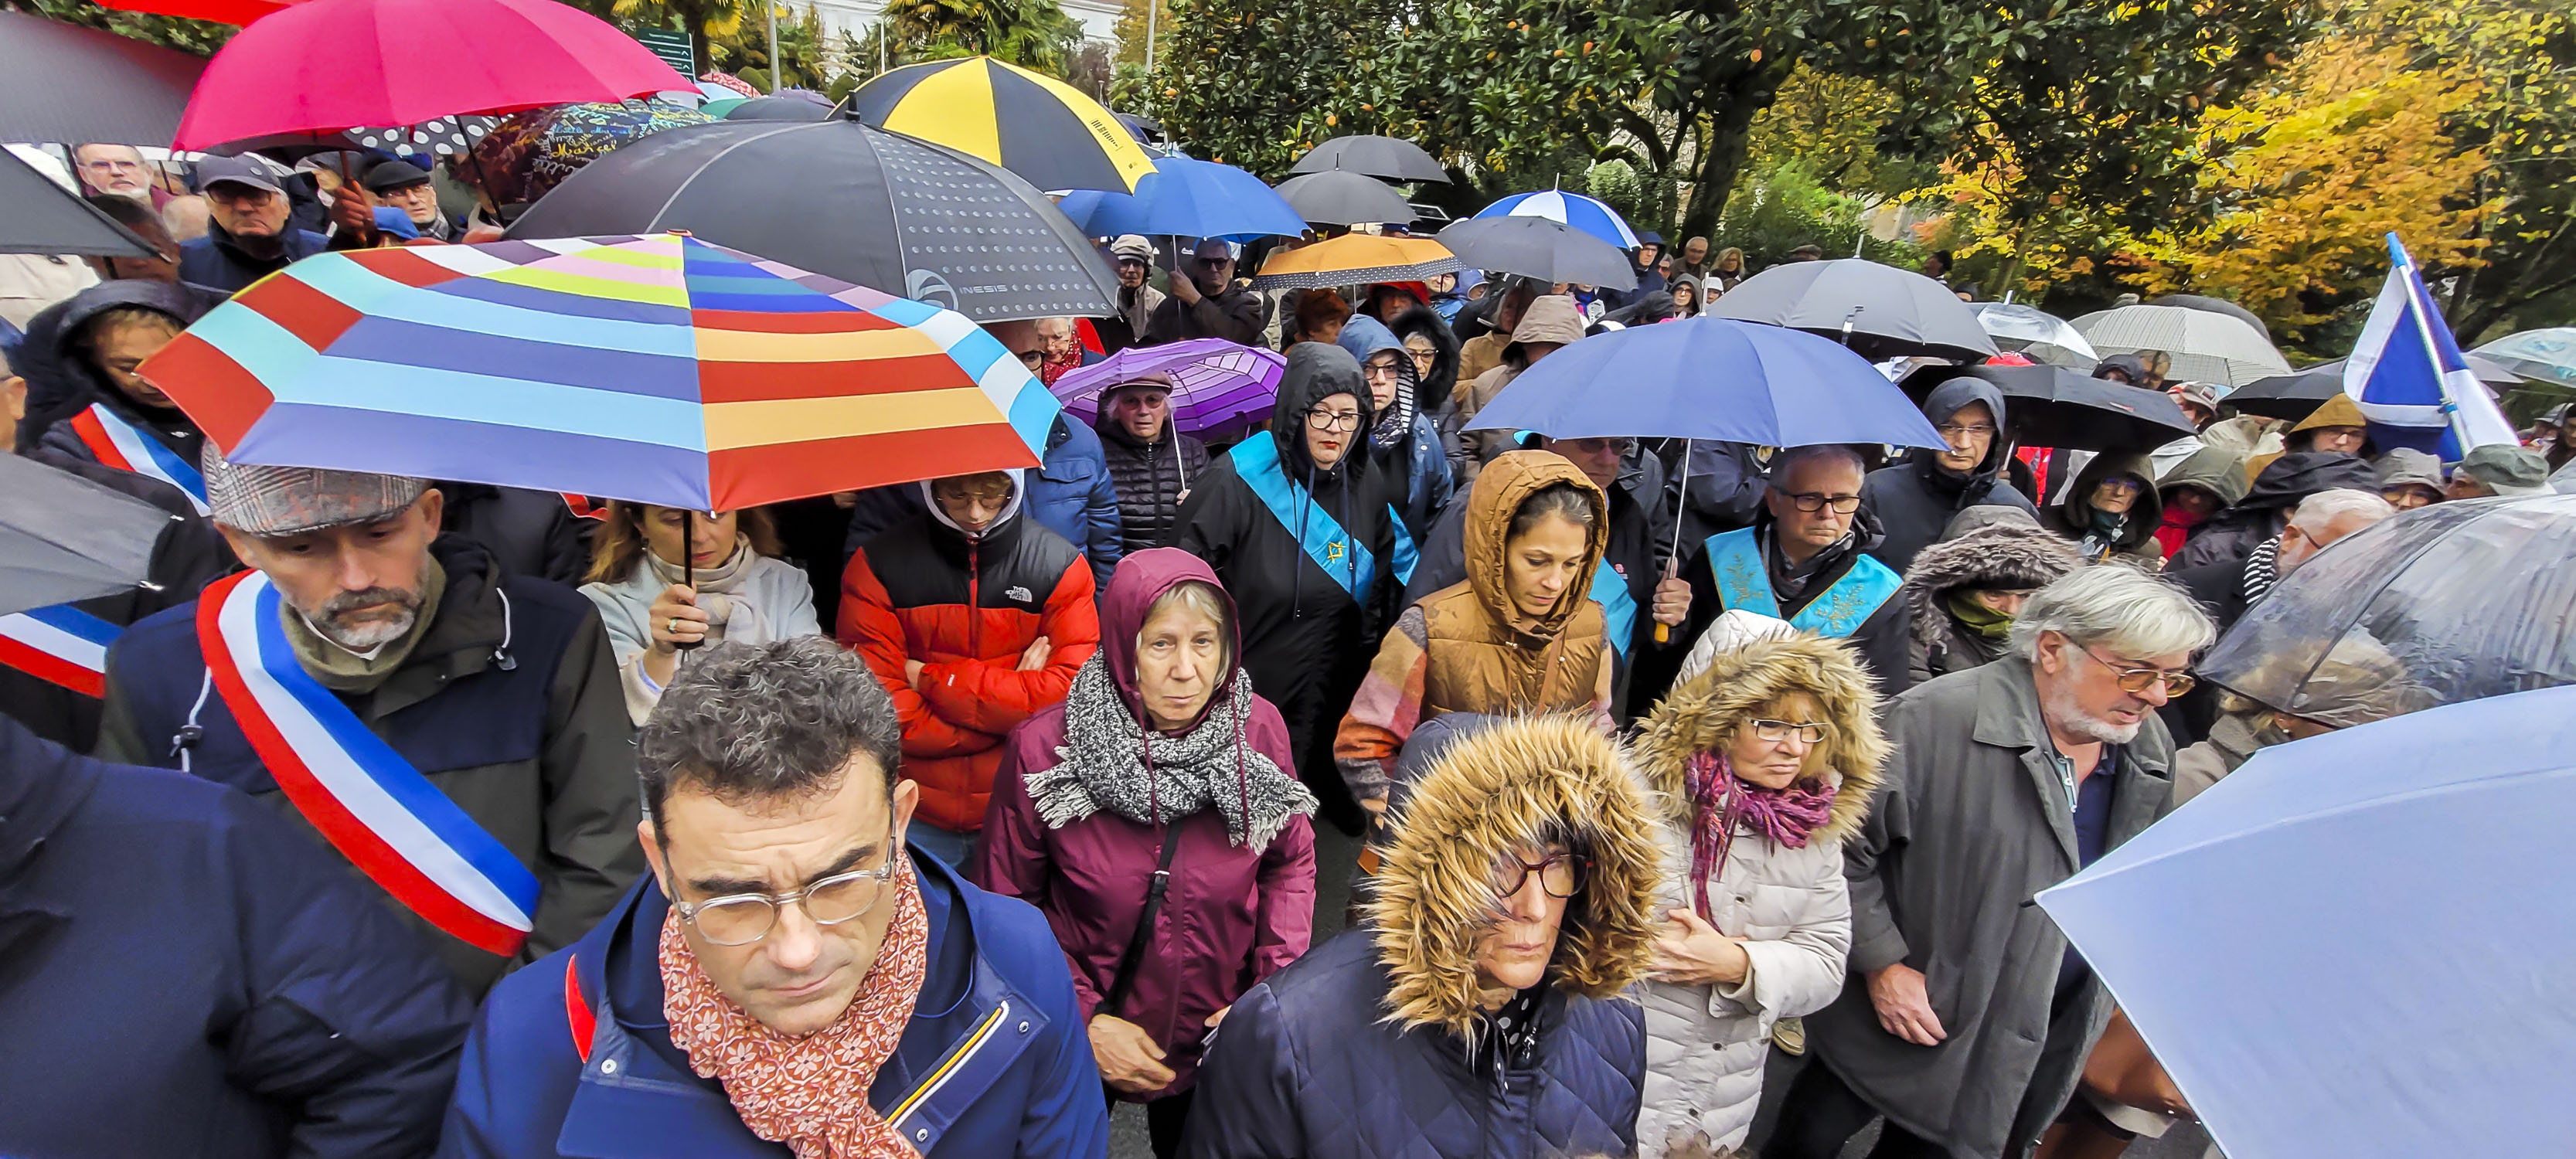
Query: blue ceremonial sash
x,y
1339,553
1618,607
1735,562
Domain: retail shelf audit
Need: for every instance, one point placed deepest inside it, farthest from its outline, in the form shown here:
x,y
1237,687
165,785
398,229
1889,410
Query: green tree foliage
x,y
201,37
800,39
707,22
1785,205
1034,34
1255,83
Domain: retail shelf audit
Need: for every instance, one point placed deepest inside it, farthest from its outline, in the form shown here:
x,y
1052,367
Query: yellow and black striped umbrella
x,y
1036,126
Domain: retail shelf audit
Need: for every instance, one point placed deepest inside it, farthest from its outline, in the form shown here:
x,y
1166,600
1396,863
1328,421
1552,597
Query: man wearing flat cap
x,y
456,733
400,184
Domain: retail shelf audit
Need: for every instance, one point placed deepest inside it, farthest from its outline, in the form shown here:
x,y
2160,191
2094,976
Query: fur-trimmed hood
x,y
1432,390
2007,556
1702,712
1490,793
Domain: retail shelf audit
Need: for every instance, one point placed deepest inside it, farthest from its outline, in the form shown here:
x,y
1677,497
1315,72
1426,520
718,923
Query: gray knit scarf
x,y
1105,754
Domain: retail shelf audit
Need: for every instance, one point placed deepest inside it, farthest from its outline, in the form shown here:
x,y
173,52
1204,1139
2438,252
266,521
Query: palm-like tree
x,y
1033,34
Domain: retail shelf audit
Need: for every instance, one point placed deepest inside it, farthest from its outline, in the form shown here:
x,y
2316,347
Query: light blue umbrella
x,y
2546,355
2357,945
1184,197
1573,209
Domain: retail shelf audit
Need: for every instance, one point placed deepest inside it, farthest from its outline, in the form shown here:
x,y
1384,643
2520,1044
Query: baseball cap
x,y
388,176
269,501
214,171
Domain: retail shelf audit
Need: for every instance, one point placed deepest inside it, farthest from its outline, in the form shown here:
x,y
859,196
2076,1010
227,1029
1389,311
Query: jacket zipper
x,y
974,600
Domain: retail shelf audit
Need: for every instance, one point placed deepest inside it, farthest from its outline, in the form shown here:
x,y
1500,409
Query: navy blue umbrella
x,y
1186,197
1709,378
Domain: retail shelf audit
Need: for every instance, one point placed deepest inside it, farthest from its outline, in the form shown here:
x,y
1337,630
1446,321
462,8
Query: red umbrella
x,y
326,65
219,11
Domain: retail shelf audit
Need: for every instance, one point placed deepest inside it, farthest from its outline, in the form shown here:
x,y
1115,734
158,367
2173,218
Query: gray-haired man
x,y
458,735
1205,302
1966,1017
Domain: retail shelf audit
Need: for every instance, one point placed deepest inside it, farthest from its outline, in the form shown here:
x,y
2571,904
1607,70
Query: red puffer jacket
x,y
966,610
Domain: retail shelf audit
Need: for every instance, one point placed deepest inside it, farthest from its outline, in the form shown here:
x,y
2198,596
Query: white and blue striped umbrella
x,y
1573,209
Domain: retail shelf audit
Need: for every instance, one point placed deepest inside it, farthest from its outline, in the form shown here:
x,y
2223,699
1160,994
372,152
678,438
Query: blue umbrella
x,y
1709,378
1184,197
1573,209
2353,945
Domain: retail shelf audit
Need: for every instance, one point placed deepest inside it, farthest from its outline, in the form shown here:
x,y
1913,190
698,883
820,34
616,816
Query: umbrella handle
x,y
688,568
1673,558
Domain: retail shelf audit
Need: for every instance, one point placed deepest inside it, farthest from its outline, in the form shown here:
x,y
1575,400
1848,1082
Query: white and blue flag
x,y
2409,376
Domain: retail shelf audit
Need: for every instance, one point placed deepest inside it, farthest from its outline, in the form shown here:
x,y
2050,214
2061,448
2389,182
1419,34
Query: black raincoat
x,y
1914,500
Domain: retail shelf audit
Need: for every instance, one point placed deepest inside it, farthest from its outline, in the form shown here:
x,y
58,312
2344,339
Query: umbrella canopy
x,y
219,11
2540,355
857,203
2051,406
2465,599
2029,331
299,70
1550,251
2297,395
1392,158
40,217
61,82
1147,131
1355,259
1573,209
64,538
529,153
660,369
1878,310
1036,126
1709,378
1185,197
1340,198
1216,385
787,105
2206,346
2215,306
2347,947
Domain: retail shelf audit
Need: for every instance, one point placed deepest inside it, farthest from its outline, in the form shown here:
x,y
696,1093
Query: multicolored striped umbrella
x,y
1036,126
1216,385
656,369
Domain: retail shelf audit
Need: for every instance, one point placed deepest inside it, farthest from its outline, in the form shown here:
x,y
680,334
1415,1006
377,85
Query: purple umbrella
x,y
1216,384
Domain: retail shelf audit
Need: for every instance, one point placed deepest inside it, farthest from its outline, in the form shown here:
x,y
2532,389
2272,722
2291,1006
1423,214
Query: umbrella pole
x,y
1673,558
688,566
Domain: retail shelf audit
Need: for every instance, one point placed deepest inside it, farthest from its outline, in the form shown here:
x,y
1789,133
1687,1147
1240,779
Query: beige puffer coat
x,y
1705,1044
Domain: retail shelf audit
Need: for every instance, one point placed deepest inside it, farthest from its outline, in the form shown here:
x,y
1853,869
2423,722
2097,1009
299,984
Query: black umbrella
x,y
64,538
60,82
1342,198
1392,158
40,217
1550,251
1878,310
779,108
2051,406
880,209
1146,130
2296,396
2214,306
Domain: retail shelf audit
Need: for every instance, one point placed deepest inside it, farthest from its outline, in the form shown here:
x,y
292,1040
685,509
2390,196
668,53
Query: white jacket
x,y
1705,1044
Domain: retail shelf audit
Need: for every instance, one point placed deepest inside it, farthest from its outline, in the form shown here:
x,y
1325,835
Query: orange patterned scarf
x,y
808,1092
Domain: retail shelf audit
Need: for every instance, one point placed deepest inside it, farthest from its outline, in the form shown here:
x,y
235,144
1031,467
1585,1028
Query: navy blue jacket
x,y
214,261
1304,1069
1071,494
182,973
996,1041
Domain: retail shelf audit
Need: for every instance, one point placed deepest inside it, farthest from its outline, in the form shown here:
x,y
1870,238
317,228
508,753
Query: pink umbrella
x,y
1216,384
327,65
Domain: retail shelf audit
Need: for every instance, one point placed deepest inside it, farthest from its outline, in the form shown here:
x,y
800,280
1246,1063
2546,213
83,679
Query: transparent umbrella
x,y
2453,602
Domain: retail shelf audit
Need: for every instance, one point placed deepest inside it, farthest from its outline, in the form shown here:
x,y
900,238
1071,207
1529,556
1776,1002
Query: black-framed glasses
x,y
743,918
1380,370
2136,681
2121,483
1324,420
1212,263
1777,731
1561,875
1815,501
1955,430
1033,359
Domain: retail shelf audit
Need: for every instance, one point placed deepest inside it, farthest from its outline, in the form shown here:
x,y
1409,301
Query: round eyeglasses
x,y
743,918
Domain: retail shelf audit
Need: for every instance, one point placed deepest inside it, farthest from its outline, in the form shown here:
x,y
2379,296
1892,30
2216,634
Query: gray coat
x,y
1969,824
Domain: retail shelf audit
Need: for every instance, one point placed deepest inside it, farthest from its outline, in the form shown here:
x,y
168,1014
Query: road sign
x,y
672,47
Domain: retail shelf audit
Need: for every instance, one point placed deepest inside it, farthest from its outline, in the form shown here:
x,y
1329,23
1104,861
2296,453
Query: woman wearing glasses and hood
x,y
1480,1011
1305,536
1763,763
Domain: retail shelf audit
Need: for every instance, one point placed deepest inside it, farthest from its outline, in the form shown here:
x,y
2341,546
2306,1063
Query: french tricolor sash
x,y
118,444
62,644
364,797
1339,553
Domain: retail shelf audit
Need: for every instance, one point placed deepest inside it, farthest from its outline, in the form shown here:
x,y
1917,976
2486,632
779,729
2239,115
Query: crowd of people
x,y
420,815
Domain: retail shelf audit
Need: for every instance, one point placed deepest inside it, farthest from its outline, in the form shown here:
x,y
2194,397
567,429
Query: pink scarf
x,y
1720,801
809,1092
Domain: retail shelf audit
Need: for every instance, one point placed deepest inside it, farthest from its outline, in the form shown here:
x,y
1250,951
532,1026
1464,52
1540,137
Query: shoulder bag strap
x,y
1136,942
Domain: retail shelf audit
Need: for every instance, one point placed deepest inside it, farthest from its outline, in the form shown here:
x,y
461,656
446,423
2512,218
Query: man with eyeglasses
x,y
1806,559
250,237
790,973
1206,303
1966,1016
1915,500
